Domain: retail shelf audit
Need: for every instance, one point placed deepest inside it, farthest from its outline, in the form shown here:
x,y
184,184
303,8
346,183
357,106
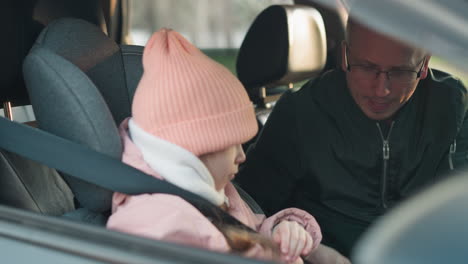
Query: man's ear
x,y
425,67
344,66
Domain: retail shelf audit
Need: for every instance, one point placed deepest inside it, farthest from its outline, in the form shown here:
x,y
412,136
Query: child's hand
x,y
293,240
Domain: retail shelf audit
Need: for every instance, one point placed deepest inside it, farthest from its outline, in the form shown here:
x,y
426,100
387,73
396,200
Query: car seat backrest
x,y
285,44
29,185
67,103
81,85
73,73
87,47
133,67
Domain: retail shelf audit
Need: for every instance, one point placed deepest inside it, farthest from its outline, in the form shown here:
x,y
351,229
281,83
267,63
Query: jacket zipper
x,y
385,158
453,148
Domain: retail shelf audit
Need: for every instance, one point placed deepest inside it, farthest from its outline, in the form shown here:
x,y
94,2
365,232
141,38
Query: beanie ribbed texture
x,y
188,99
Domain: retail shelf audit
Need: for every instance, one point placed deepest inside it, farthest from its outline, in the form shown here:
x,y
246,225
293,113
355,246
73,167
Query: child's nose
x,y
240,157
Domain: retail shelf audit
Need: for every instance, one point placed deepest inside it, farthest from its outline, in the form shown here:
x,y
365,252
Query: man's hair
x,y
352,24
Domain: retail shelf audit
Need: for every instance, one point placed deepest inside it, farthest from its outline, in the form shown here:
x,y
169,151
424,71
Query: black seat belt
x,y
81,162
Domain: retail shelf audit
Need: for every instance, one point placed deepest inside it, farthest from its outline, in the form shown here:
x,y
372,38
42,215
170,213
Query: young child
x,y
190,116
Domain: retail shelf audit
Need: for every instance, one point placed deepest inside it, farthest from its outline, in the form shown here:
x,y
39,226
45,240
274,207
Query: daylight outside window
x,y
215,26
208,24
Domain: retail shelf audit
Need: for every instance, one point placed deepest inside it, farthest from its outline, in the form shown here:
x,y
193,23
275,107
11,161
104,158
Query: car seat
x,y
72,67
284,45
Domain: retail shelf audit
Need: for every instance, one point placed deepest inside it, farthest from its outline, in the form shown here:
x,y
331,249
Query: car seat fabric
x,y
284,44
267,42
30,185
133,67
83,58
87,47
67,104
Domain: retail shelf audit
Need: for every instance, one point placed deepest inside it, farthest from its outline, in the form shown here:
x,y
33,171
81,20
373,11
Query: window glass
x,y
20,114
209,24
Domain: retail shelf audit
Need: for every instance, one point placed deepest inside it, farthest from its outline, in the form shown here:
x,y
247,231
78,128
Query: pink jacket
x,y
169,217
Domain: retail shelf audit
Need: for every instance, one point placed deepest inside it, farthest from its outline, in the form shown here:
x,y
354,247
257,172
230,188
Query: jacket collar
x,y
175,164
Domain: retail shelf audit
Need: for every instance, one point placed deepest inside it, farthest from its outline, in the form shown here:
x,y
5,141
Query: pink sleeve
x,y
169,218
293,214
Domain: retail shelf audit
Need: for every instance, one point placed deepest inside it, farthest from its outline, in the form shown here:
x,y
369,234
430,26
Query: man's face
x,y
367,53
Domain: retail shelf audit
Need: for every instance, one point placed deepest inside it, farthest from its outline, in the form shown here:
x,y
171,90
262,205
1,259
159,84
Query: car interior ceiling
x,y
108,71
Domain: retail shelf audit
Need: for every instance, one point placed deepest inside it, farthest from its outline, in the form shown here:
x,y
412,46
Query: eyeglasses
x,y
370,73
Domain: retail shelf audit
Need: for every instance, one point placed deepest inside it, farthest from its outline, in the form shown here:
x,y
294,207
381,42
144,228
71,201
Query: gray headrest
x,y
285,44
87,47
67,103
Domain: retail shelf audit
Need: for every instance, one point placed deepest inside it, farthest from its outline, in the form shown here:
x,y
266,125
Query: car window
x,y
209,24
20,113
434,25
215,26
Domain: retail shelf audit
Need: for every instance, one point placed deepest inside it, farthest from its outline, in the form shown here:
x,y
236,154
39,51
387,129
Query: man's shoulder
x,y
441,79
320,88
445,93
323,81
319,93
446,90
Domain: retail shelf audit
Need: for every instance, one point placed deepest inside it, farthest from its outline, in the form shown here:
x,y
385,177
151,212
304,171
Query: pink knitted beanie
x,y
188,99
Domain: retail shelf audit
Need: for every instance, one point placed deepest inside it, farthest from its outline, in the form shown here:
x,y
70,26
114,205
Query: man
x,y
356,141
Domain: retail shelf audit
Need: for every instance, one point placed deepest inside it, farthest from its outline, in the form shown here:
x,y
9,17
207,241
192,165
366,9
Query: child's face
x,y
224,164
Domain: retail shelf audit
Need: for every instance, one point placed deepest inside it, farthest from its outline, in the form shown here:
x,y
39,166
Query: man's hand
x,y
293,241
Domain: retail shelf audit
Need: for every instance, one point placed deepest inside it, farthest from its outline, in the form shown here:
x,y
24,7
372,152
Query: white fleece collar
x,y
176,164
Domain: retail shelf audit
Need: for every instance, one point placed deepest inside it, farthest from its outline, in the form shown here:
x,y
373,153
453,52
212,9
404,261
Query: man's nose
x,y
382,85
